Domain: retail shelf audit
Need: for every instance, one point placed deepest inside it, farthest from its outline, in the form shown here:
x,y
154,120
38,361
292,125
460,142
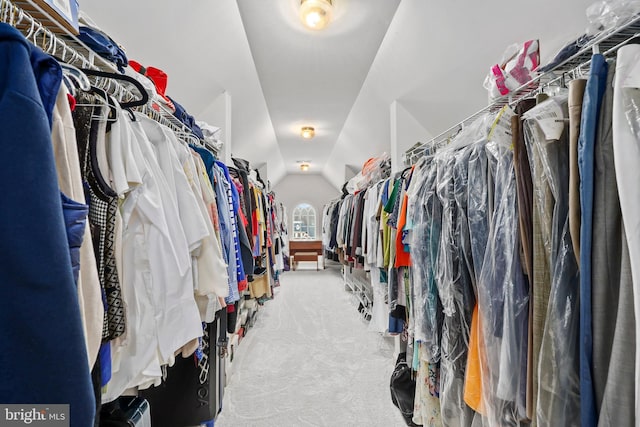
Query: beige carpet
x,y
310,360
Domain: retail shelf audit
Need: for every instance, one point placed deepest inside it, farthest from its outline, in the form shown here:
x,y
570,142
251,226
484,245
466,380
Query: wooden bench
x,y
305,250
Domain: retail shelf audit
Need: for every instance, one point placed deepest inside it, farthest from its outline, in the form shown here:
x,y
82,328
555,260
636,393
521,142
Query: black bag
x,y
241,164
126,411
403,388
192,395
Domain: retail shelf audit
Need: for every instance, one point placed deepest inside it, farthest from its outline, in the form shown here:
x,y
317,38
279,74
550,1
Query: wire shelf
x,y
576,66
56,40
360,288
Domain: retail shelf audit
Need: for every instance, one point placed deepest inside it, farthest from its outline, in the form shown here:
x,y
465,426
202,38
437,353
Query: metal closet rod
x,y
41,36
559,75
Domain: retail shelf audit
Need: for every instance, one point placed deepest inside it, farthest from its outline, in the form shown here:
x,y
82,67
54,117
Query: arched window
x,y
304,222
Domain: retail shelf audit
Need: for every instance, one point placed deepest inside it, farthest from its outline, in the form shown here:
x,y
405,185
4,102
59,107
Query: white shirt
x,y
162,315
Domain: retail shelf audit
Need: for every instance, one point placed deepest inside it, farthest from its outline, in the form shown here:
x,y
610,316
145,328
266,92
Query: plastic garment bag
x,y
478,214
463,233
626,147
454,287
425,240
479,208
503,300
559,382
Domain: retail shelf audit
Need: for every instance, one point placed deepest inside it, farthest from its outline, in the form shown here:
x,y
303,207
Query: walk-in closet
x,y
243,213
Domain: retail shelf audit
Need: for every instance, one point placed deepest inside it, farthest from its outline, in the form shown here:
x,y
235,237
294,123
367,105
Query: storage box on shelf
x,y
59,16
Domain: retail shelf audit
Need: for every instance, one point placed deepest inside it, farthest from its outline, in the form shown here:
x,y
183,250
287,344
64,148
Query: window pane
x,y
304,222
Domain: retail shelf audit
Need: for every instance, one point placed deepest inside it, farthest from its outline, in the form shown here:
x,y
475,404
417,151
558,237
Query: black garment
x,y
246,251
335,216
566,52
103,209
242,174
524,185
241,164
356,232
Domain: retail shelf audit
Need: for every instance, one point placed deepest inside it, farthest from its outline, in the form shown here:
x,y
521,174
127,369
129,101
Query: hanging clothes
x,y
627,155
70,182
594,93
150,205
42,308
558,394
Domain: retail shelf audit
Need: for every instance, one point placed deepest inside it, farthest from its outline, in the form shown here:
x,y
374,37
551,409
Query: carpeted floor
x,y
310,360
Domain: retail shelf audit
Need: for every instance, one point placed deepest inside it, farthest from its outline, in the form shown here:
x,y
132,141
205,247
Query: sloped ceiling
x,y
313,78
431,57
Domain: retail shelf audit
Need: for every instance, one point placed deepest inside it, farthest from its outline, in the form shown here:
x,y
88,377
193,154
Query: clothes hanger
x,y
2,11
52,46
31,30
76,76
467,135
104,99
144,97
6,10
34,36
69,84
15,21
187,139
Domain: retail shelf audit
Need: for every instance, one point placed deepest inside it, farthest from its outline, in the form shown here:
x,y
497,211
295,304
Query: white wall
x,y
219,114
405,132
313,189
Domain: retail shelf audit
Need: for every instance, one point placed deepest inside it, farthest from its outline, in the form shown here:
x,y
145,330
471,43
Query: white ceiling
x,y
431,57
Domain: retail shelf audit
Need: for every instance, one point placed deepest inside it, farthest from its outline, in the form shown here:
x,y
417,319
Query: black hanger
x,y
144,96
113,110
131,114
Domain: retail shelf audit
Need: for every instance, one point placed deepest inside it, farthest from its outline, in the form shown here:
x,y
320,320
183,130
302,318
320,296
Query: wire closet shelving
x,y
607,42
53,38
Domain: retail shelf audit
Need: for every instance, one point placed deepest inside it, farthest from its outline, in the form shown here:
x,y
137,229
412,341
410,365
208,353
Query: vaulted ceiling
x,y
251,67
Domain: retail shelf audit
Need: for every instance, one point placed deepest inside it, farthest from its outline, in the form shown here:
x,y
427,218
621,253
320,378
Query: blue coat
x,y
43,358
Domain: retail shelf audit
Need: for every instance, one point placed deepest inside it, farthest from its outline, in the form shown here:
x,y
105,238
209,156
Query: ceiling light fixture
x,y
307,132
304,167
316,14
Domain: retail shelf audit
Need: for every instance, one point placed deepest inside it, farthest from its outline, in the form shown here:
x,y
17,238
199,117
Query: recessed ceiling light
x,y
316,14
307,132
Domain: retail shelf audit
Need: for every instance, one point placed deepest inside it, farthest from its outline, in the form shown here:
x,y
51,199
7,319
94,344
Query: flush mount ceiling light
x,y
304,165
316,14
307,132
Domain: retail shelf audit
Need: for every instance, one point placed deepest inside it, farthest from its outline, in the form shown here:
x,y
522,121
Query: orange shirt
x,y
403,258
473,376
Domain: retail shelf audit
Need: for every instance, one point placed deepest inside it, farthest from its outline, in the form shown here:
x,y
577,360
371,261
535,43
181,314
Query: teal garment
x,y
391,203
425,244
